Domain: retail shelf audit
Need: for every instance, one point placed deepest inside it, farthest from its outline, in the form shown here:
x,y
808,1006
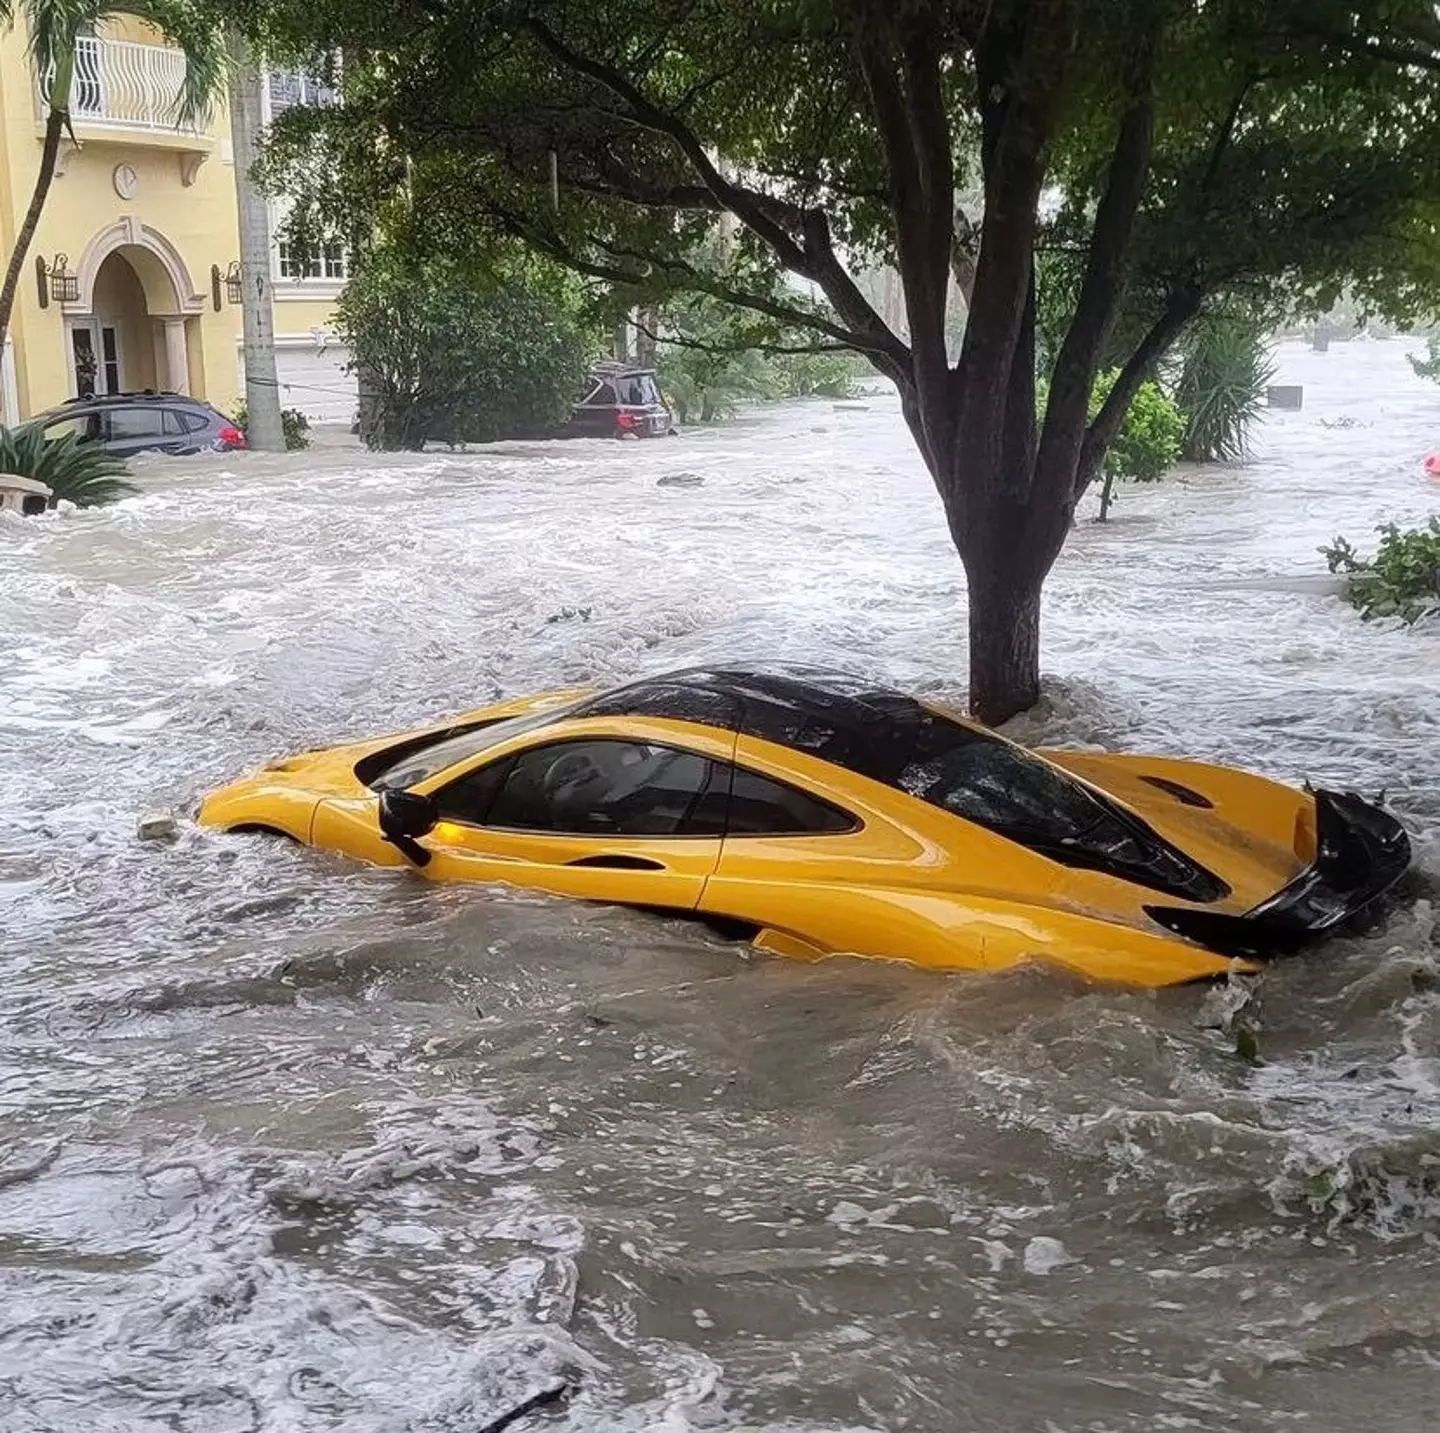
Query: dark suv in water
x,y
621,402
129,423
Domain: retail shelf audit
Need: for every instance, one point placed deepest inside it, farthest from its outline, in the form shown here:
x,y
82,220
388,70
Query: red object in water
x,y
231,438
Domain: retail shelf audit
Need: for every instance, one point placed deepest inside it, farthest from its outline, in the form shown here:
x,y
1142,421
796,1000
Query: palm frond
x,y
203,45
81,473
1221,389
54,26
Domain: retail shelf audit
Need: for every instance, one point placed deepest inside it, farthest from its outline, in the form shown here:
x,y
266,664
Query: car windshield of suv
x,y
639,390
418,764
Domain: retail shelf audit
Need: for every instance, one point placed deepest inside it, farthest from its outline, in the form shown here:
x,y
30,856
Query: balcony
x,y
121,85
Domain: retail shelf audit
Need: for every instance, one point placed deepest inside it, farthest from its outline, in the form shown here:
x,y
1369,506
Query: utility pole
x,y
264,430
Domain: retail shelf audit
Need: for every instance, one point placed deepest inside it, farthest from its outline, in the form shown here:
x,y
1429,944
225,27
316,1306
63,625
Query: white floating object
x,y
1044,1256
157,826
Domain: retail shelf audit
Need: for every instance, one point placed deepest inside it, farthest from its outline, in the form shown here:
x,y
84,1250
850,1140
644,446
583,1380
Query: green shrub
x,y
1149,440
1224,372
704,386
462,352
714,357
294,423
1401,580
81,473
816,375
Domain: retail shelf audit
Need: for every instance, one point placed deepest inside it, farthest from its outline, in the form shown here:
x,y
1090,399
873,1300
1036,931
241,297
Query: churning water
x,y
289,1144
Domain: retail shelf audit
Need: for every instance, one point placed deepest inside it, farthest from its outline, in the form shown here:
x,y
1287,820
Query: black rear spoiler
x,y
1361,851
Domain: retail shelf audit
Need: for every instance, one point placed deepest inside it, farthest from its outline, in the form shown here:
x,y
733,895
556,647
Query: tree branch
x,y
1404,55
1074,376
915,137
1225,134
776,349
549,242
756,211
650,116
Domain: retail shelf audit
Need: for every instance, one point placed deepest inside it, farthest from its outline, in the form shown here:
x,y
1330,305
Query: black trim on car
x,y
1361,852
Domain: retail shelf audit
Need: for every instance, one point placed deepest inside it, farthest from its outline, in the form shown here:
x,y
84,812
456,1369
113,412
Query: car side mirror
x,y
404,817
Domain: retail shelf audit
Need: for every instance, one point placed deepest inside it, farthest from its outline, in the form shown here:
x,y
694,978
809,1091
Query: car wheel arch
x,y
260,828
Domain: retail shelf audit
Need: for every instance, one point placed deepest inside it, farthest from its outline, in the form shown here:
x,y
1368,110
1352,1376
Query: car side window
x,y
608,788
79,427
181,422
135,423
762,807
469,799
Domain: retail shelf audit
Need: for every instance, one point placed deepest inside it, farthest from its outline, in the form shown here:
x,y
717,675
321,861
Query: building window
x,y
316,261
287,88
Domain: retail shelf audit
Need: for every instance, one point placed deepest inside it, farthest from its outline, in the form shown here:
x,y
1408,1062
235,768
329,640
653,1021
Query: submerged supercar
x,y
821,814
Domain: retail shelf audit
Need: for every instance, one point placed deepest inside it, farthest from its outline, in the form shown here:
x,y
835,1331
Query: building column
x,y
9,387
177,356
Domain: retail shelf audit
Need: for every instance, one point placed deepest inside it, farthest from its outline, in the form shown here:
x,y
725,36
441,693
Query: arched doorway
x,y
128,329
112,349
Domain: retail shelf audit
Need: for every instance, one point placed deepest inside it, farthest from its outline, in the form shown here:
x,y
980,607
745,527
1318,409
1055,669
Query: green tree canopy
x,y
449,353
1166,151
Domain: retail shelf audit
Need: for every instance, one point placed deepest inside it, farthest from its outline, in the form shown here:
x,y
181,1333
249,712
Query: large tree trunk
x,y
265,429
56,122
1004,638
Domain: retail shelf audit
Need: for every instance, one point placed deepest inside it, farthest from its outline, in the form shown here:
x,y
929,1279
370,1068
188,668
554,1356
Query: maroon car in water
x,y
621,402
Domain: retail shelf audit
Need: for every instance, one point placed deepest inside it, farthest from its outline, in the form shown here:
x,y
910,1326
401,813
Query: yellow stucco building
x,y
140,230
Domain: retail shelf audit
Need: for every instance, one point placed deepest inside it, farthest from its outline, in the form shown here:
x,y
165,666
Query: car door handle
x,y
619,863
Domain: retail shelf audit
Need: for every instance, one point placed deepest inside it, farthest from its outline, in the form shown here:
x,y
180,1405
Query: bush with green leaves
x,y
1149,441
462,352
715,357
295,424
1401,580
706,368
1225,369
817,375
74,471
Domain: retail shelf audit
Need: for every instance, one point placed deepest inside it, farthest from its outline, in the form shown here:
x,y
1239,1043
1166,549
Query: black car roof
x,y
139,395
836,716
142,398
961,768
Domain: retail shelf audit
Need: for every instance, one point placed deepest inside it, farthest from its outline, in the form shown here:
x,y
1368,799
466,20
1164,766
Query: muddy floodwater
x,y
291,1144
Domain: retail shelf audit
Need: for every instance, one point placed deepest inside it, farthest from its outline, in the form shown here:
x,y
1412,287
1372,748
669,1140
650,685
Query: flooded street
x,y
287,1143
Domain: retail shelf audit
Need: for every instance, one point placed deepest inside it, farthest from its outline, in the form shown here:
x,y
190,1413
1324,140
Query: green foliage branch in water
x,y
1401,580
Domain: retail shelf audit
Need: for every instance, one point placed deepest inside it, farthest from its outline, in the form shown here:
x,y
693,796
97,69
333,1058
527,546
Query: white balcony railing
x,y
123,85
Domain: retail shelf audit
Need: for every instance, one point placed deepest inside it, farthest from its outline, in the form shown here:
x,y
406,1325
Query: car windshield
x,y
638,389
1004,789
414,765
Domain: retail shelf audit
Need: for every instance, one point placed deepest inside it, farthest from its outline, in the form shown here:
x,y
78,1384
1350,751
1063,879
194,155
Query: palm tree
x,y
55,26
75,471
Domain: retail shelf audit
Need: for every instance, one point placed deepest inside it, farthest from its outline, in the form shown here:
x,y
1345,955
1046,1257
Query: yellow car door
x,y
604,818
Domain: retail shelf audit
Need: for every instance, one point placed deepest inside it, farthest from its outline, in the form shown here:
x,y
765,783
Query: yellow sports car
x,y
820,813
